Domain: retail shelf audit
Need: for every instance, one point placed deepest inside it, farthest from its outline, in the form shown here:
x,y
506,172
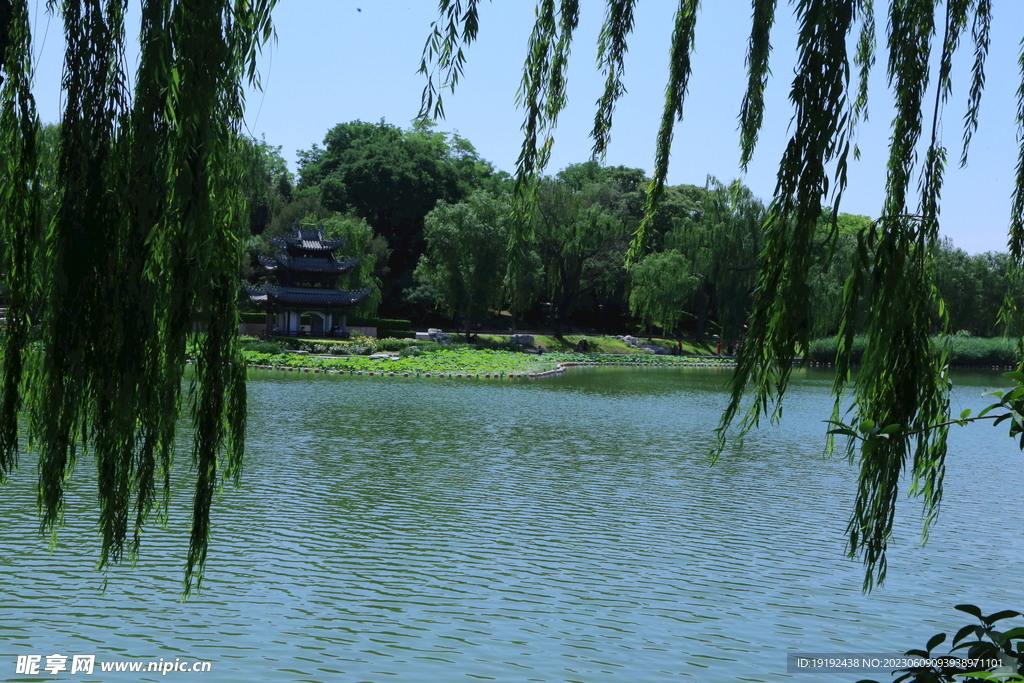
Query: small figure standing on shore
x,y
718,348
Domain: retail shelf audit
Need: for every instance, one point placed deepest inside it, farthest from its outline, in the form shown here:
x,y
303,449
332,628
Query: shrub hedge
x,y
963,350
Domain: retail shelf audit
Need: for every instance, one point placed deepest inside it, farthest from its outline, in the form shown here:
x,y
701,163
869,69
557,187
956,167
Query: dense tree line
x,y
431,221
697,278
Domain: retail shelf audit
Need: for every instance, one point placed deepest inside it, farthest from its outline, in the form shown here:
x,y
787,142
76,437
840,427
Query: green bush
x,y
394,344
981,351
824,350
963,350
988,653
498,344
410,352
319,346
262,346
253,317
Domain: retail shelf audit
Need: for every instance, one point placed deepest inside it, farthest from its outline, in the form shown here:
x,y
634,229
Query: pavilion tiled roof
x,y
307,264
309,240
310,296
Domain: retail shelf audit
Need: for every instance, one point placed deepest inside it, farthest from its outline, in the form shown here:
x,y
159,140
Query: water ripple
x,y
568,529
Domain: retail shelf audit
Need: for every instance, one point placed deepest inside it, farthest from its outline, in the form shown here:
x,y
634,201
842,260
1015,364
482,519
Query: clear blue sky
x,y
340,60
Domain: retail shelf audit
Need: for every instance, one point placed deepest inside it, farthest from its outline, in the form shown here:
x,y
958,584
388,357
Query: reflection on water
x,y
567,529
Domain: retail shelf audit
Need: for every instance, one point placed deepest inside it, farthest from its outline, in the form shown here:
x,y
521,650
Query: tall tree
x,y
574,234
393,178
662,283
723,238
467,255
360,242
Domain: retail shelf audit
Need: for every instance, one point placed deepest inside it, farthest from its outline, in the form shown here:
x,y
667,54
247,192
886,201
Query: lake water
x,y
563,529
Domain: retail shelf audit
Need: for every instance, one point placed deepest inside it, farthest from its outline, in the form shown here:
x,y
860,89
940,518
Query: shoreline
x,y
471,364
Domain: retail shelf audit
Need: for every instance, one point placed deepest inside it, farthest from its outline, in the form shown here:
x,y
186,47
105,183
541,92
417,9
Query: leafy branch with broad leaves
x,y
999,653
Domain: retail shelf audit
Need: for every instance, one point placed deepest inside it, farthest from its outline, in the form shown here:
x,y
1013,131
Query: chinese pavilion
x,y
306,272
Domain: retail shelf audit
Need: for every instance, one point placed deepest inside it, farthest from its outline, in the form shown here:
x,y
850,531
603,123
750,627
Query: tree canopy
x,y
466,258
393,178
902,386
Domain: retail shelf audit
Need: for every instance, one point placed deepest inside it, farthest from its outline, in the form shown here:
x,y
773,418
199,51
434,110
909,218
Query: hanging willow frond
x,y
214,42
444,52
779,325
78,316
901,394
980,33
140,258
759,50
864,59
542,91
675,94
902,381
7,26
611,53
19,207
1011,314
1016,241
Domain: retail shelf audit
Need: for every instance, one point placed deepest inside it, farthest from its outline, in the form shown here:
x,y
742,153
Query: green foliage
x,y
329,346
380,323
889,294
1000,652
394,344
973,288
126,275
722,237
678,80
265,180
20,218
262,346
578,239
824,350
979,351
466,257
960,350
359,238
411,352
392,178
662,284
827,279
462,358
